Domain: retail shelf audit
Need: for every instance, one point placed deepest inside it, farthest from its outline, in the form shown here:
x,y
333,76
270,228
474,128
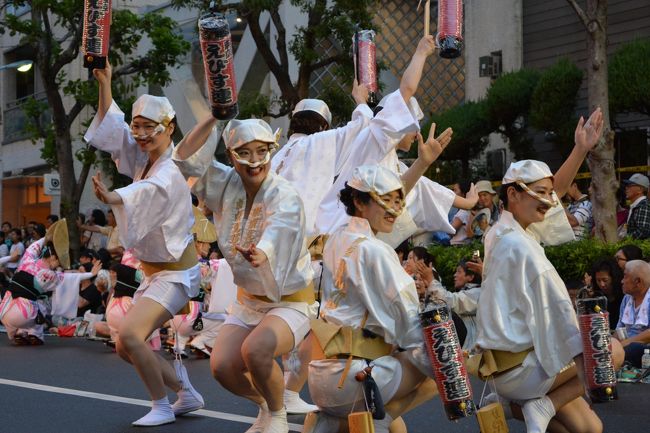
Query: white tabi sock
x,y
263,419
382,425
296,405
538,413
161,413
278,422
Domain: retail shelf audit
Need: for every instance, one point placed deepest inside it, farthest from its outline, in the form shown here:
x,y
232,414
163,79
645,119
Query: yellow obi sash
x,y
492,363
302,295
188,260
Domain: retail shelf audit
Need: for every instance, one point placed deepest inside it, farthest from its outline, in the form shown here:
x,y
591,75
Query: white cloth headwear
x,y
156,108
315,105
526,171
529,171
239,132
413,105
375,178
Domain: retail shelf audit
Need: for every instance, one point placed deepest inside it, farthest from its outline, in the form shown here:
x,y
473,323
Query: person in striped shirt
x,y
579,212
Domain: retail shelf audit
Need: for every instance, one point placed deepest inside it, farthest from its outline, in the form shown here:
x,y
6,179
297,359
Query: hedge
x,y
571,260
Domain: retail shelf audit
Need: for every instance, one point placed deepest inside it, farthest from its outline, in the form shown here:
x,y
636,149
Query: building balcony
x,y
15,121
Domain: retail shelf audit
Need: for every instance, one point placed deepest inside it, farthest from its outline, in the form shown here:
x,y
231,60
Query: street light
x,y
21,65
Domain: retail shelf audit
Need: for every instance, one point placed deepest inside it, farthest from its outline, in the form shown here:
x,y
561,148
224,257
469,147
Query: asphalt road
x,y
74,385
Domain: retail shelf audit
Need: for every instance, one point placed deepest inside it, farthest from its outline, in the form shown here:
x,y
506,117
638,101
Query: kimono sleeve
x,y
198,163
112,135
283,239
464,301
145,208
66,293
211,186
552,321
346,135
389,295
429,204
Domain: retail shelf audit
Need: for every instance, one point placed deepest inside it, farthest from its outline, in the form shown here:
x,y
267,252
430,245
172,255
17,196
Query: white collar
x,y
637,202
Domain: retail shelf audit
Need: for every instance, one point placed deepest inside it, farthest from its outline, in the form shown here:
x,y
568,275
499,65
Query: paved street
x,y
75,385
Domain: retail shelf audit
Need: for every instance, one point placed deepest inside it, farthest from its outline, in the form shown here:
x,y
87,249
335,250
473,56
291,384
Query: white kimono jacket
x,y
155,219
312,162
524,302
427,205
275,224
373,280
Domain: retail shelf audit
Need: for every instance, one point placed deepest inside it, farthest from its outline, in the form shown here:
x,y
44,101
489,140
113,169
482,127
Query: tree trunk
x,y
601,160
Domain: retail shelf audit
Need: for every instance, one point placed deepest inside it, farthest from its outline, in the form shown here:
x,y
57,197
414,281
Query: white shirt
x,y
155,218
460,237
373,280
312,162
275,224
524,302
427,204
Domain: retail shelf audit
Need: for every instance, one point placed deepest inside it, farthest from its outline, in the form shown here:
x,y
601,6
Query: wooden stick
x,y
427,17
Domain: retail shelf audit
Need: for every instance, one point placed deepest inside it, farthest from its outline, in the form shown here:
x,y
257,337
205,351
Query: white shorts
x,y
170,295
324,376
525,382
295,320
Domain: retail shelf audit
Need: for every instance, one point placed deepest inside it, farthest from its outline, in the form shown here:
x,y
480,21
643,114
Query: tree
x,y
601,159
52,32
629,78
328,22
554,101
508,106
471,128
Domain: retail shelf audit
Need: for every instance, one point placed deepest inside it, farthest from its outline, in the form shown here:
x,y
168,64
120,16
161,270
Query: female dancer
x,y
365,288
154,216
261,230
525,313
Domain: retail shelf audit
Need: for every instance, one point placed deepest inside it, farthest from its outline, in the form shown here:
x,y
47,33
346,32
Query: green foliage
x,y
508,106
554,101
253,105
339,100
571,260
629,78
471,127
448,257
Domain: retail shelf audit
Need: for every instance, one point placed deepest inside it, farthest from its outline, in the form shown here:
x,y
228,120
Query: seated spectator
x,y
4,248
16,251
38,232
635,310
461,189
94,239
627,253
638,220
90,298
606,279
51,219
464,300
579,212
487,199
110,231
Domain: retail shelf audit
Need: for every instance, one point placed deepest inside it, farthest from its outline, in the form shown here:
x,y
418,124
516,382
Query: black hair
x,y
8,223
87,252
87,266
307,122
403,249
53,218
347,196
610,266
503,193
49,251
632,252
464,186
40,229
99,217
105,257
18,231
468,271
422,254
195,200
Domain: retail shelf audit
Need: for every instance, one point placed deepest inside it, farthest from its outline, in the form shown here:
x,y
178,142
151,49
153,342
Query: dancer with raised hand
x,y
526,318
154,216
395,127
370,304
261,233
